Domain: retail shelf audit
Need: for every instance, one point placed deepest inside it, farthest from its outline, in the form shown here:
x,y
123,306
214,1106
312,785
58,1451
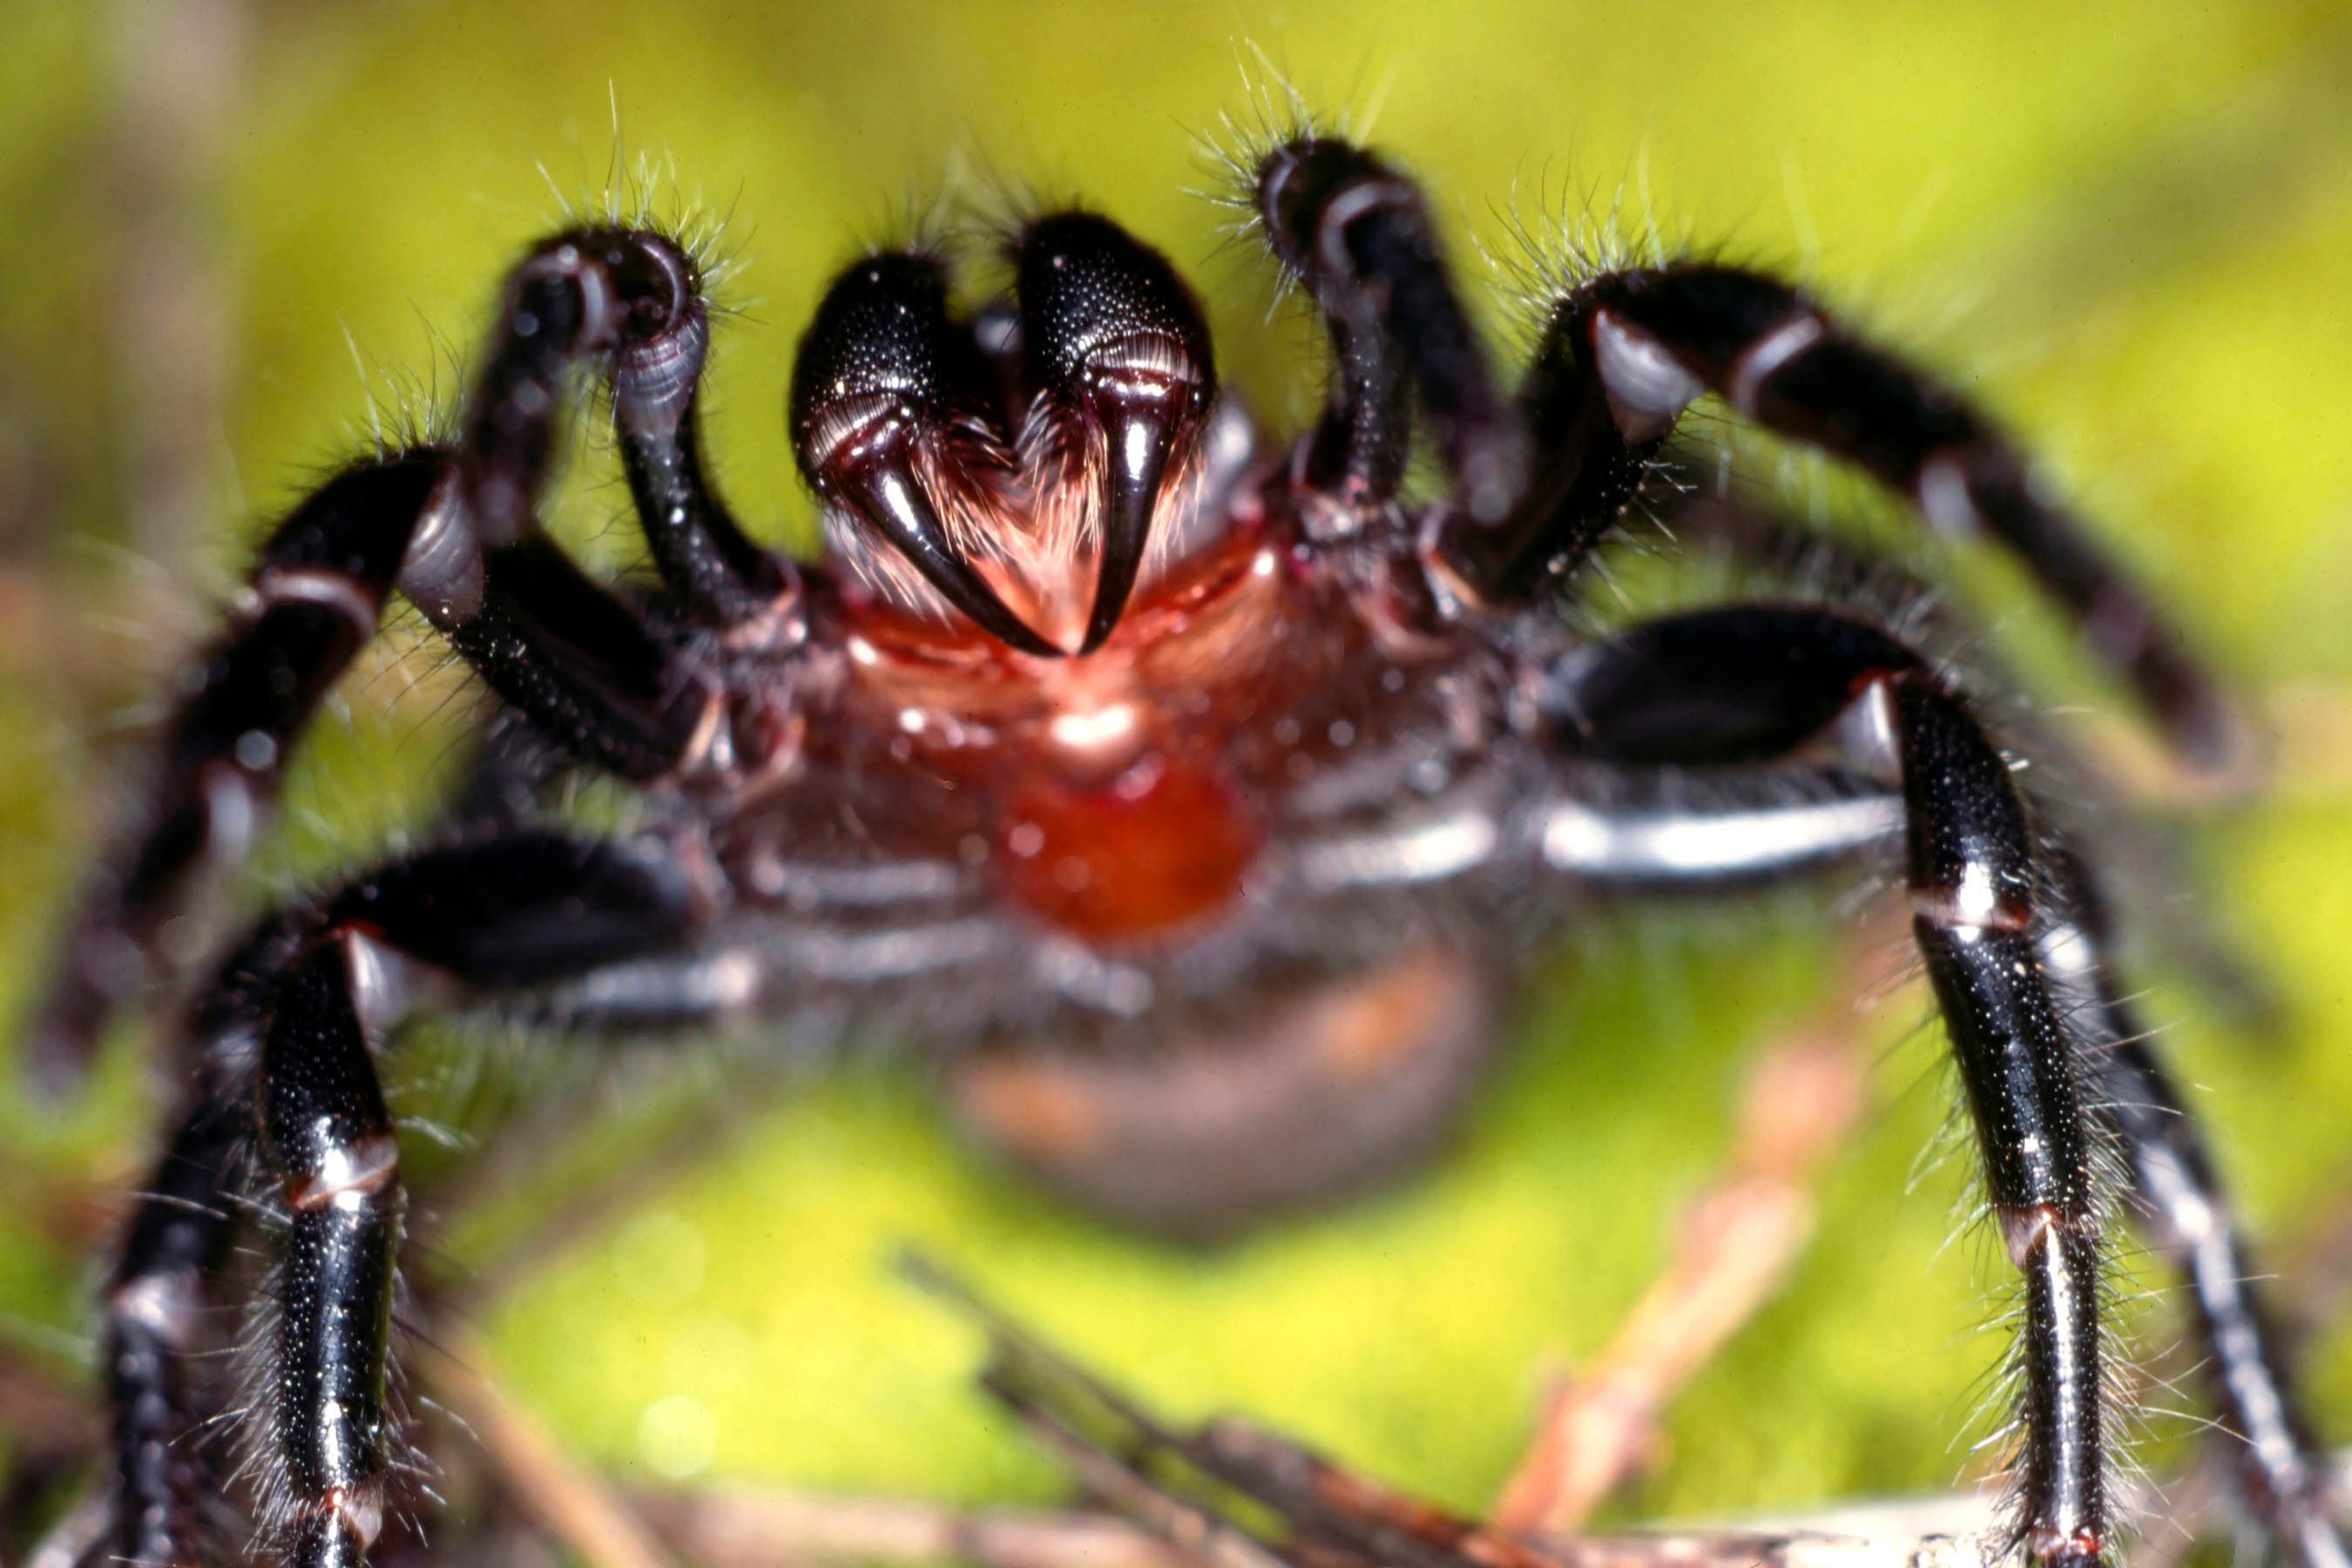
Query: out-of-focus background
x,y
236,226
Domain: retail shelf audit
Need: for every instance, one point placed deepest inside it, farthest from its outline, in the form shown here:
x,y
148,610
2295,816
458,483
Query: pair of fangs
x,y
1100,363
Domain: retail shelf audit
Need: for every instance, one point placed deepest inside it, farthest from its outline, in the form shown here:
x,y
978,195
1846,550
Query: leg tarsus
x,y
157,1309
2288,1480
716,576
1358,235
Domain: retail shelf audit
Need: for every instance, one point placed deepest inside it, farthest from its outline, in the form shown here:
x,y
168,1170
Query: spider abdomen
x,y
1322,1087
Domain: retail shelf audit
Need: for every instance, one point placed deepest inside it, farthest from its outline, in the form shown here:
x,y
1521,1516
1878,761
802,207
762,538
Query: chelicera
x,y
1106,722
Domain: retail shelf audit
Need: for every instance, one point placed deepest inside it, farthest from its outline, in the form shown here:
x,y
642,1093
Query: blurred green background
x,y
234,224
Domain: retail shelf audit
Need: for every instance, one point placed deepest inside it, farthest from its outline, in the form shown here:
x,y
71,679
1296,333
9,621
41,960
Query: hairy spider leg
x,y
714,575
1728,686
1649,341
1356,234
285,1043
1643,344
455,530
312,601
1737,685
1783,558
2287,1477
1594,451
158,1379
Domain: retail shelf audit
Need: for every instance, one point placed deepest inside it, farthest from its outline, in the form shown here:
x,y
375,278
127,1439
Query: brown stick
x,y
568,1500
1734,1247
753,1527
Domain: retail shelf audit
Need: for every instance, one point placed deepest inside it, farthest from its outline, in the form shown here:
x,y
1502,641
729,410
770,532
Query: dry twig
x,y
572,1503
1734,1247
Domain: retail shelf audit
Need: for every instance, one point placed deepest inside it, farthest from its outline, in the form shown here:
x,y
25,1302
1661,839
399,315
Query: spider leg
x,y
714,574
2287,1477
2010,964
2142,867
157,1308
1736,685
285,1041
1356,232
455,531
312,600
1770,827
1644,343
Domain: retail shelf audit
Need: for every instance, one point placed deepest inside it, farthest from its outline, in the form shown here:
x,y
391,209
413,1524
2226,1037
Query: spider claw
x,y
880,391
1143,420
887,495
1116,343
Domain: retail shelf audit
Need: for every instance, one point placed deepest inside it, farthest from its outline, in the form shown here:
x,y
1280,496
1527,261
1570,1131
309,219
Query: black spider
x,y
1100,724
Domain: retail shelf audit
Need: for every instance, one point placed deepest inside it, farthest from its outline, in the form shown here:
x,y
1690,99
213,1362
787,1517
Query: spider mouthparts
x,y
1143,418
881,375
1114,342
893,500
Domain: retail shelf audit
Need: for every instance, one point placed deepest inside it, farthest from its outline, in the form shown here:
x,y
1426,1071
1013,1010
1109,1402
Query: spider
x,y
1106,722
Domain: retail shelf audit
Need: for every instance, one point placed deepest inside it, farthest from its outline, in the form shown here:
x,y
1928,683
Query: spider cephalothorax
x,y
1105,723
